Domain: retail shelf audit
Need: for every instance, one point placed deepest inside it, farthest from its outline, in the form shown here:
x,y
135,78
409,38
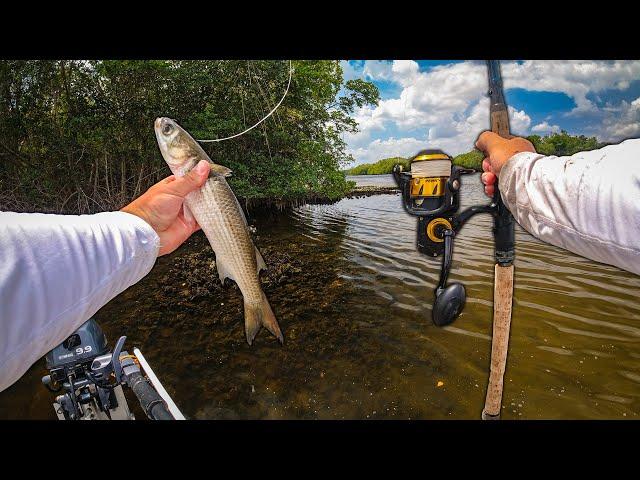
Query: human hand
x,y
161,207
497,151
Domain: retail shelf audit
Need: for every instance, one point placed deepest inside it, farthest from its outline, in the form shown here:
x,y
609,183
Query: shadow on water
x,y
353,299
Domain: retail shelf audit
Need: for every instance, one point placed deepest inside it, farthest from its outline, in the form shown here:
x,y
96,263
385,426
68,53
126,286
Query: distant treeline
x,y
77,136
379,168
555,144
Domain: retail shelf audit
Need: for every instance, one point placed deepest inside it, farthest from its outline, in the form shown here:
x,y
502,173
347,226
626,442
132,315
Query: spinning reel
x,y
431,192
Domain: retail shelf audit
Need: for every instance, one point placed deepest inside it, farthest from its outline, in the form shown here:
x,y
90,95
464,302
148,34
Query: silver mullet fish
x,y
217,211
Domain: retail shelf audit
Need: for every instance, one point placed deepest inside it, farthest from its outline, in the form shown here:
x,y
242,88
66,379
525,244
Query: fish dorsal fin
x,y
223,271
260,261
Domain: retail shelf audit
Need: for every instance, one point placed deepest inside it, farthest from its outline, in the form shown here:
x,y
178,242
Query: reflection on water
x,y
359,342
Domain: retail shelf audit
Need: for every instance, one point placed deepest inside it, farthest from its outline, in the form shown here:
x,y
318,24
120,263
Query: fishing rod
x,y
431,192
504,238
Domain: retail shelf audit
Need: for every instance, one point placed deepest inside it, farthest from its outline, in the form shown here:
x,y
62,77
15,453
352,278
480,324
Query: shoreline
x,y
271,207
251,206
369,190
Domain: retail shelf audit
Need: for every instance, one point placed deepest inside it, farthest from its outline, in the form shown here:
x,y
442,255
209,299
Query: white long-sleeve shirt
x,y
588,203
56,271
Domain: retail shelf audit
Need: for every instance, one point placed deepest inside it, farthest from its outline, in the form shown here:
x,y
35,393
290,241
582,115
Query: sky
x,y
443,104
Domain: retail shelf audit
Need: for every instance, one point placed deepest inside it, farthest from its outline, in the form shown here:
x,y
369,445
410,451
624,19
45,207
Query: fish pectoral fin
x,y
260,261
223,271
220,170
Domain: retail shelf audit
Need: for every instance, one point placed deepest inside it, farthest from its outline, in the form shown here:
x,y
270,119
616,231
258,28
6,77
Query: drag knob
x,y
448,304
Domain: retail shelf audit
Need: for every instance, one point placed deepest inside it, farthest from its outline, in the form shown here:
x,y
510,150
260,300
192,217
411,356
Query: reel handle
x,y
446,259
449,300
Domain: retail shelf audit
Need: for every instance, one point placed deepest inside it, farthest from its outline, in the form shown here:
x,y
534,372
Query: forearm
x,y
588,203
56,271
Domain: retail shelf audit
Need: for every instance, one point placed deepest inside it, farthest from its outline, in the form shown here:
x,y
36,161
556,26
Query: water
x,y
372,180
359,342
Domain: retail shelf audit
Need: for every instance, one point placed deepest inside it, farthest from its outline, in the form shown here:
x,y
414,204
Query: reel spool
x,y
429,194
430,170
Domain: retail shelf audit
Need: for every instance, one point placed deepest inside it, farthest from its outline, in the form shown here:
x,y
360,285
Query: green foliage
x,y
77,136
472,159
381,167
562,143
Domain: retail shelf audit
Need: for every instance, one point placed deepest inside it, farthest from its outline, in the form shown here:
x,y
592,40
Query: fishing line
x,y
263,119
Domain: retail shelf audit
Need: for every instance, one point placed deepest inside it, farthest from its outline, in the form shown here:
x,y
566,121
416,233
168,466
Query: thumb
x,y
487,139
193,180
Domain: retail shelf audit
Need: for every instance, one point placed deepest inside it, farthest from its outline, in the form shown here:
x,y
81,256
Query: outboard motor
x,y
89,379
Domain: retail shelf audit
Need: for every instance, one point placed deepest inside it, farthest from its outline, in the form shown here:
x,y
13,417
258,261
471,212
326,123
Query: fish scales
x,y
215,208
217,211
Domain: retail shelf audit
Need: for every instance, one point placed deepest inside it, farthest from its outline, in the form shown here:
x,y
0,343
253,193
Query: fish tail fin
x,y
257,315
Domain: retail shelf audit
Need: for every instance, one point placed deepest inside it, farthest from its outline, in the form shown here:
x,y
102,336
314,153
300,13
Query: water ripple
x,y
565,306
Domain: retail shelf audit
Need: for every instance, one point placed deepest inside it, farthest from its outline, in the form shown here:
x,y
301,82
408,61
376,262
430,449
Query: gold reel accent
x,y
432,156
428,186
431,229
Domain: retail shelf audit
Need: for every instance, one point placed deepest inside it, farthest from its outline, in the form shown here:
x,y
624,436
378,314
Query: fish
x,y
217,210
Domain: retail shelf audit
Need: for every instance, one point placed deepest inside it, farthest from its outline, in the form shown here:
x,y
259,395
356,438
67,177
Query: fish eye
x,y
167,128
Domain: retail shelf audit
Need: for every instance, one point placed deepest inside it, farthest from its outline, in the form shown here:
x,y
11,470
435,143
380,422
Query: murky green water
x,y
359,342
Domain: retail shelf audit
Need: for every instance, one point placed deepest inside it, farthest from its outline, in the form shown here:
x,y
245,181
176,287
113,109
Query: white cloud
x,y
575,78
460,136
454,137
434,102
369,121
544,127
405,72
377,70
519,121
622,122
402,72
391,147
448,104
446,107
